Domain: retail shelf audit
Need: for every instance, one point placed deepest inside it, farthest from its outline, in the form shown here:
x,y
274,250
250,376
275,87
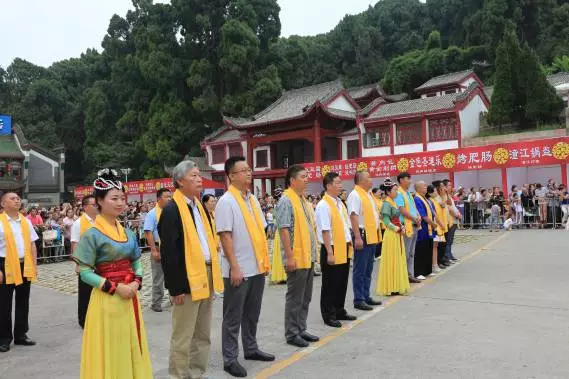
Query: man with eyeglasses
x,y
245,263
80,226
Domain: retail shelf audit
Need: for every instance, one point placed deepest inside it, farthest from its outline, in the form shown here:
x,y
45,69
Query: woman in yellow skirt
x,y
393,278
114,339
278,273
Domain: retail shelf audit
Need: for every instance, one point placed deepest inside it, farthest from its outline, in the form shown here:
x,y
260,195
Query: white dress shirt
x,y
200,228
355,207
16,226
76,228
324,220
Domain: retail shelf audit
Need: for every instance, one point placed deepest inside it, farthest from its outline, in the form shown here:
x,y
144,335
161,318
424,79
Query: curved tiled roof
x,y
9,147
558,79
441,80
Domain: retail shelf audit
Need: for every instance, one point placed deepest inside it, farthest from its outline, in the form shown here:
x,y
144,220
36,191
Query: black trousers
x,y
441,251
22,303
334,287
83,297
424,257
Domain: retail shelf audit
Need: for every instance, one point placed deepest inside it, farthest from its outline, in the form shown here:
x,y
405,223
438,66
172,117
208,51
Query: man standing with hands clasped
x,y
245,262
298,243
18,267
365,226
332,227
163,196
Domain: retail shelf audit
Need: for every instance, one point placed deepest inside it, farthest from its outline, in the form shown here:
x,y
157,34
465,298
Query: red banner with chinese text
x,y
517,154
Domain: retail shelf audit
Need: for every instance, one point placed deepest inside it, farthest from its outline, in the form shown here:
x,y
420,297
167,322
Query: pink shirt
x,y
37,220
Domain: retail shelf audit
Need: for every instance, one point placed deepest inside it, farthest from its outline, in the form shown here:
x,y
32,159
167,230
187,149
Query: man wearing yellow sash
x,y
245,262
377,194
364,219
80,226
411,219
453,219
424,248
298,244
192,273
333,231
163,197
18,262
439,243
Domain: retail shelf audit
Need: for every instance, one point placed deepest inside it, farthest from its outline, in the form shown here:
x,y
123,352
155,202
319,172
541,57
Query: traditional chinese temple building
x,y
328,127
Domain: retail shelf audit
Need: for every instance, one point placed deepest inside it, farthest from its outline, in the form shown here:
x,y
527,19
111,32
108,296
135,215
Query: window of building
x,y
261,158
15,169
444,129
235,150
352,149
450,91
217,154
408,133
378,137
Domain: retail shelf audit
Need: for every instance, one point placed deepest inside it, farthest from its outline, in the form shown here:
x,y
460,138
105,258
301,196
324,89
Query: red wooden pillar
x,y
564,174
316,142
504,180
424,132
451,178
263,186
393,136
339,149
360,136
250,152
459,129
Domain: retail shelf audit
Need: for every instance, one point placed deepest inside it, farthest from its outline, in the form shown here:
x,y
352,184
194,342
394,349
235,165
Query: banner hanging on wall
x,y
517,154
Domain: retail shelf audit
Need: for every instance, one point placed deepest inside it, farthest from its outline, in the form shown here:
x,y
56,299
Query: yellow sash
x,y
301,243
408,223
442,218
341,253
194,257
12,267
115,233
84,224
378,205
370,223
158,212
449,209
429,213
254,224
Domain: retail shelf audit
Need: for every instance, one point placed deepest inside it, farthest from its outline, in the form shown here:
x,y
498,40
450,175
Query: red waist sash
x,y
121,272
396,221
117,271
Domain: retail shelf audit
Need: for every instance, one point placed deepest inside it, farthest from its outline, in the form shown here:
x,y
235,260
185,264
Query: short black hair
x,y
329,179
230,163
402,176
86,199
161,192
430,190
292,172
206,197
446,182
358,176
437,183
375,190
2,195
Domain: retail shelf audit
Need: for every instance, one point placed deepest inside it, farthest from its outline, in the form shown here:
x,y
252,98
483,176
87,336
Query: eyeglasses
x,y
247,170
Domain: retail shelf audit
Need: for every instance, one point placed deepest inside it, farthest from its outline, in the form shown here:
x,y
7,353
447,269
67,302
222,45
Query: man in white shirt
x,y
11,202
334,276
364,252
83,290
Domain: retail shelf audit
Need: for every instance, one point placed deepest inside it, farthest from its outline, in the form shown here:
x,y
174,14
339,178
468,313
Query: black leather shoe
x,y
260,356
235,369
363,306
346,317
309,337
373,302
24,341
333,323
4,348
298,341
156,309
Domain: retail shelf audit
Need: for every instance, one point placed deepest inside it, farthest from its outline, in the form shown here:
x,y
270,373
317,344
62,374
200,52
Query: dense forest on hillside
x,y
167,72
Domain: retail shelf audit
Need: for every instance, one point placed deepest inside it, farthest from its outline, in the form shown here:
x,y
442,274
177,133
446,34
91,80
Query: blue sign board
x,y
5,124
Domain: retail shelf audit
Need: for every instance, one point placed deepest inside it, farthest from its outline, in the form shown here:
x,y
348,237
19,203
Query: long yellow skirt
x,y
393,275
111,348
278,273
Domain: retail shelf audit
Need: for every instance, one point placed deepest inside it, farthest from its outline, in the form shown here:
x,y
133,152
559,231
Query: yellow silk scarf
x,y
440,212
12,267
254,224
379,204
158,212
195,261
84,224
428,208
115,232
341,253
301,244
408,223
370,223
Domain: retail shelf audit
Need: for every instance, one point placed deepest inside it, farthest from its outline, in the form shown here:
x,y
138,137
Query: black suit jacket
x,y
172,252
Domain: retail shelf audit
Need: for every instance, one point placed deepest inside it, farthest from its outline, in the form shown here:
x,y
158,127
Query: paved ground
x,y
501,313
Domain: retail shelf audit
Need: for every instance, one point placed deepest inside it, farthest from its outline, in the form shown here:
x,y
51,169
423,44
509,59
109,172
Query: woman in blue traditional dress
x,y
114,339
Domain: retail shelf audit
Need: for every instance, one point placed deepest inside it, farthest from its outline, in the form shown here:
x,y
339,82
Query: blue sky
x,y
47,31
